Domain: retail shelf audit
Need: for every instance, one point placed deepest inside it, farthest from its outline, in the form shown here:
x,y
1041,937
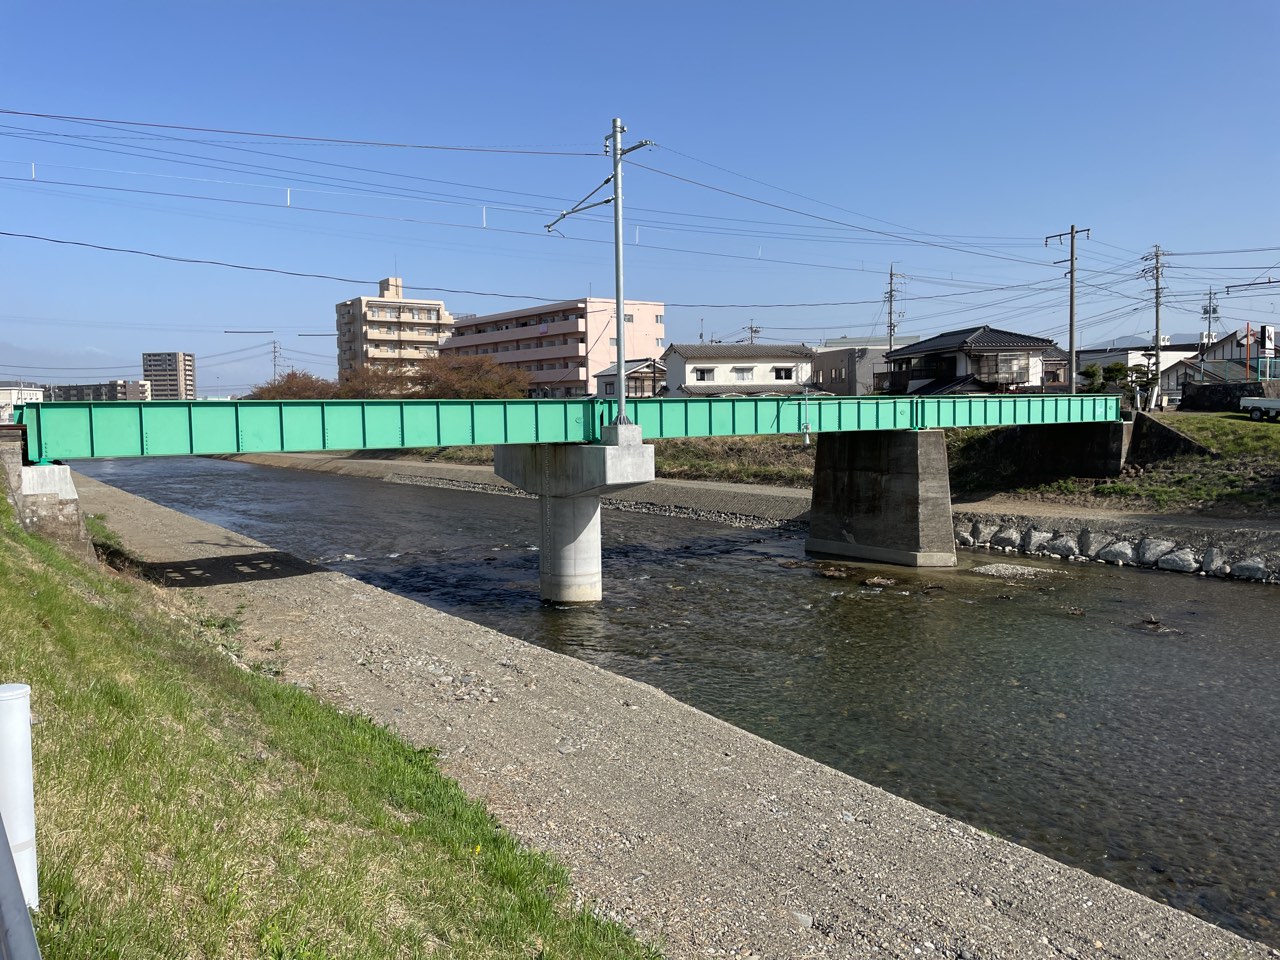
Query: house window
x,y
658,319
609,390
705,374
744,374
783,373
613,341
627,318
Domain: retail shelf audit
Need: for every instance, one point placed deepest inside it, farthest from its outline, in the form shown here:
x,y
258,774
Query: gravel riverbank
x,y
705,839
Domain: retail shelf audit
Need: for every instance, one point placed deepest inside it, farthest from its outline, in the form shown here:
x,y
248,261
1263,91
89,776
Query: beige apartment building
x,y
561,346
172,375
110,391
389,332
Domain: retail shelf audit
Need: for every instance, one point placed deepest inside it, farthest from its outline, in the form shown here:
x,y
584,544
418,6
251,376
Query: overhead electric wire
x,y
294,137
802,213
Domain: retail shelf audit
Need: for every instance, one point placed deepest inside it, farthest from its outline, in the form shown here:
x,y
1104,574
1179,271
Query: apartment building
x,y
561,346
111,390
389,332
172,375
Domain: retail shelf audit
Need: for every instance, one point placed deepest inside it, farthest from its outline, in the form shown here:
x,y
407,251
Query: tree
x,y
295,385
468,378
1092,374
370,382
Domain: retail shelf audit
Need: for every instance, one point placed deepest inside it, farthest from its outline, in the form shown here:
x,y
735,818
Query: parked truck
x,y
1259,407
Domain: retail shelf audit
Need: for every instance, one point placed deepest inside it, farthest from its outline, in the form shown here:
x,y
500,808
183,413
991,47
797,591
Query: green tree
x,y
1092,374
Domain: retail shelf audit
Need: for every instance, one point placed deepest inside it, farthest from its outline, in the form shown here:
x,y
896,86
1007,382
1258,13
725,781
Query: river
x,y
1123,721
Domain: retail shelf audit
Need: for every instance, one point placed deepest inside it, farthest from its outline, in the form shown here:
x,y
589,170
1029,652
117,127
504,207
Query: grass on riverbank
x,y
188,807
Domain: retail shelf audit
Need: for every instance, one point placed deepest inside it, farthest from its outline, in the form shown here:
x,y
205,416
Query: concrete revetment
x,y
570,480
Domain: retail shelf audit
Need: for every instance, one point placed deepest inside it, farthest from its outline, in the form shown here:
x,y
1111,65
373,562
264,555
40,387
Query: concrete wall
x,y
44,498
1225,396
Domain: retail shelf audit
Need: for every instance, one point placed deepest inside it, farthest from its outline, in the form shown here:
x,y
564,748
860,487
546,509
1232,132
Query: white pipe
x,y
17,795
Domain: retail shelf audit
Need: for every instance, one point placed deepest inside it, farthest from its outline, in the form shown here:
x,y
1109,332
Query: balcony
x,y
516,334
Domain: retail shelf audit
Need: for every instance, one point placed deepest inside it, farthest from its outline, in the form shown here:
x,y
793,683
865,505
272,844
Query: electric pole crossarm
x,y
578,207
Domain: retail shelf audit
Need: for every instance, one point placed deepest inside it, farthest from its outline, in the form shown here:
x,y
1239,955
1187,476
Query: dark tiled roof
x,y
971,338
632,367
740,351
1056,353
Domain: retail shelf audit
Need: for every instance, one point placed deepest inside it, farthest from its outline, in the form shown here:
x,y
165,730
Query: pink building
x,y
561,346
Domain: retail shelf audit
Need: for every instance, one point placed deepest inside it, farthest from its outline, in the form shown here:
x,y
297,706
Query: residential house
x,y
973,360
846,366
737,369
561,346
645,378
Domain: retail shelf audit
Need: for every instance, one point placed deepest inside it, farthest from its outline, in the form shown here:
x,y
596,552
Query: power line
x,y
802,213
295,137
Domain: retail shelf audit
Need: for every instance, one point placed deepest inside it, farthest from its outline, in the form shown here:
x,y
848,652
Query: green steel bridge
x,y
73,431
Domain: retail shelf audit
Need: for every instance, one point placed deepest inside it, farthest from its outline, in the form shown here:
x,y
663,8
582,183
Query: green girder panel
x,y
75,431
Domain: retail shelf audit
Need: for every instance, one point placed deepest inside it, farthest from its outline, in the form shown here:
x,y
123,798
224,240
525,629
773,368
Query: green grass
x,y
187,807
1229,434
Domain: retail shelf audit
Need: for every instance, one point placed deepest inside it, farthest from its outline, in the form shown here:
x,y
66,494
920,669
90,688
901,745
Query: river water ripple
x,y
1050,712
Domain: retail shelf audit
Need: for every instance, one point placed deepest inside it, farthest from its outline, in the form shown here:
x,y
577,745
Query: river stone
x,y
983,532
1119,552
1183,561
1252,569
1063,545
1215,559
1150,550
1091,543
963,539
1006,537
1033,541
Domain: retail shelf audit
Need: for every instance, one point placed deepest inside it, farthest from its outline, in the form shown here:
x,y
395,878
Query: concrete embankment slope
x,y
704,838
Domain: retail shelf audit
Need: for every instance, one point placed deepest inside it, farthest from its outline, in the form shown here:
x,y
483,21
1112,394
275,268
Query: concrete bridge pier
x,y
44,497
570,480
885,496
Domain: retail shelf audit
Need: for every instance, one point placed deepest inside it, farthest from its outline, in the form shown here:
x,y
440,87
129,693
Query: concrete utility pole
x,y
892,324
1210,313
1154,271
613,147
1071,314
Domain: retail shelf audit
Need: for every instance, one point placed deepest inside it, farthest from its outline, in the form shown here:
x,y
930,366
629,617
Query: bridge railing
x,y
70,430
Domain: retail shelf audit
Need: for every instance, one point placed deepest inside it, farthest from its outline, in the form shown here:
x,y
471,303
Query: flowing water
x,y
1051,712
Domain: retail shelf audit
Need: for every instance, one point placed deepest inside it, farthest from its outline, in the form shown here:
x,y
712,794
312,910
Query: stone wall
x,y
1224,396
1241,554
1154,441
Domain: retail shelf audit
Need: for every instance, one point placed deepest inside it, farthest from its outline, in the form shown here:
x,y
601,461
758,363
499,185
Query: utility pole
x,y
752,331
1210,313
613,147
892,322
1071,314
1153,272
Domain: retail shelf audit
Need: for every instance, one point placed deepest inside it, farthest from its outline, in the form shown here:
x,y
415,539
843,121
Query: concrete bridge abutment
x,y
569,480
884,496
44,498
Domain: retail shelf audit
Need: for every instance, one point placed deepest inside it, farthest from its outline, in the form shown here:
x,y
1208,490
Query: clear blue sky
x,y
945,138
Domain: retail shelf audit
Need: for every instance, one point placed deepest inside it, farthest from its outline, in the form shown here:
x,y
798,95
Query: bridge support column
x,y
570,480
883,495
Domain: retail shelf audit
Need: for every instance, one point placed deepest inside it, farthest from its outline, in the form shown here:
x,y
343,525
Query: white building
x,y
737,369
14,393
